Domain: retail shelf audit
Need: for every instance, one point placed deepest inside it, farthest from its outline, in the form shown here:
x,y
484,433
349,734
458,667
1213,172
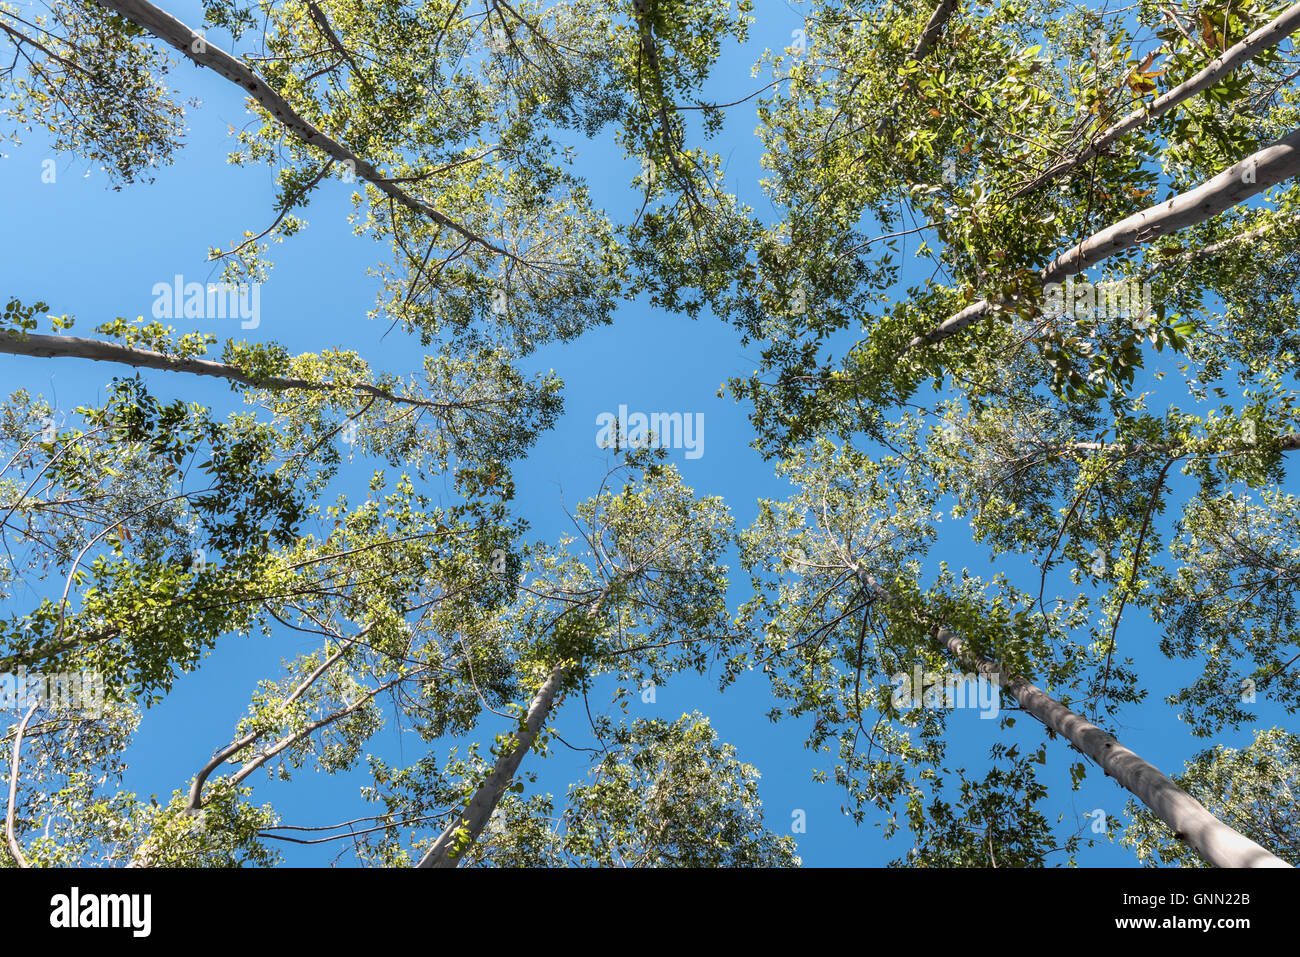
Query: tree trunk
x,y
932,29
1232,242
479,809
1214,841
11,808
99,350
1253,175
1258,172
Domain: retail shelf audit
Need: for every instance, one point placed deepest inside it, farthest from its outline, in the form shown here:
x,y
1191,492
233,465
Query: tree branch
x,y
197,48
99,350
1264,38
1272,165
11,836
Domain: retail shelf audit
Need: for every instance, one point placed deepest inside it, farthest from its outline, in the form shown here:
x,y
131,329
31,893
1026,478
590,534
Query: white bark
x,y
99,350
1265,37
11,808
1253,175
1232,242
1214,841
1287,442
1272,165
198,48
474,817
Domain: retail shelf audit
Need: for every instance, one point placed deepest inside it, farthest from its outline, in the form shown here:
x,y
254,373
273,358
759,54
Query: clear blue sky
x,y
96,253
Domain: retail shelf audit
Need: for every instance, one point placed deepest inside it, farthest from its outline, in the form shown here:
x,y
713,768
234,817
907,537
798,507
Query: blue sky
x,y
96,253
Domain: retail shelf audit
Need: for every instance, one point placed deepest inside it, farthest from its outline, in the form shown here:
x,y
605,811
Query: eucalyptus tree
x,y
661,795
644,598
448,124
451,118
1102,295
1251,788
1038,159
156,567
864,140
638,596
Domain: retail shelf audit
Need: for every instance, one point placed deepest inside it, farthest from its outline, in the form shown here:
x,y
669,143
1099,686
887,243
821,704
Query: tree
x,y
664,795
1038,437
1102,301
653,596
495,251
1253,789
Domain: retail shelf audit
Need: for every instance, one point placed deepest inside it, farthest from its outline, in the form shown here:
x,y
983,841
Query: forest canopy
x,y
1014,288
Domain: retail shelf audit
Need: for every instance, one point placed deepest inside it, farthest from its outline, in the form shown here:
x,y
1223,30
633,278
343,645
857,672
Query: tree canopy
x,y
1019,284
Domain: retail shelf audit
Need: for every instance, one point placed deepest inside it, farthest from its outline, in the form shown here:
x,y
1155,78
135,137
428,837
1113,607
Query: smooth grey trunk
x,y
1272,165
1254,43
1214,841
99,350
1256,173
1287,442
1213,249
474,817
11,807
199,49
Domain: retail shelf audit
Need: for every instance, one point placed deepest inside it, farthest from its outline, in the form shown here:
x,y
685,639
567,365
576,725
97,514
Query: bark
x,y
1265,37
478,810
930,35
643,13
11,808
196,789
1255,174
474,816
1215,842
98,350
1232,242
197,48
1287,442
327,31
